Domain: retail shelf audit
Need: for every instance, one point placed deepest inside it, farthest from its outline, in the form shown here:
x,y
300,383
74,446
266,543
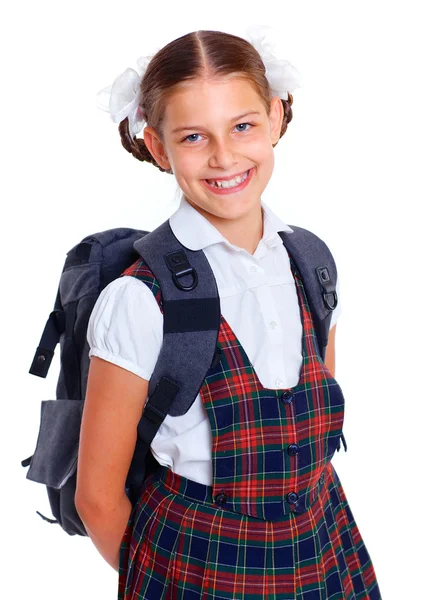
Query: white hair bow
x,y
122,98
282,76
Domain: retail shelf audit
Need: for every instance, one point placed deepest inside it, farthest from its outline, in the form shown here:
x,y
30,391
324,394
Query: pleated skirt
x,y
179,546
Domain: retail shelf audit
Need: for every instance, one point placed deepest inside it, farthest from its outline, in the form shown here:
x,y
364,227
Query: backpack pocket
x,y
56,455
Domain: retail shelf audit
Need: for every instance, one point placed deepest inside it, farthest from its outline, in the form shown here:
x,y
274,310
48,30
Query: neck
x,y
244,232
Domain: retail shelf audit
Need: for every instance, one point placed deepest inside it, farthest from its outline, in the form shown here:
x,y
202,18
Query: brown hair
x,y
197,54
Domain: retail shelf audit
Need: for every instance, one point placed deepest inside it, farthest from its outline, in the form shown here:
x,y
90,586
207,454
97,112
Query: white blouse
x,y
257,298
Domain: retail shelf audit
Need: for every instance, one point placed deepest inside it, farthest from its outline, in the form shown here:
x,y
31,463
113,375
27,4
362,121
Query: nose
x,y
222,154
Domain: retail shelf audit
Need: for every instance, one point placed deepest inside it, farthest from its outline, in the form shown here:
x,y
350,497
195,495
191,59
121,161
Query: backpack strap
x,y
315,265
52,331
191,309
191,322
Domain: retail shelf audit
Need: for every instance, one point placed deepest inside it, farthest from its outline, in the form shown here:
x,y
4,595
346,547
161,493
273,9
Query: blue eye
x,y
189,136
186,139
239,125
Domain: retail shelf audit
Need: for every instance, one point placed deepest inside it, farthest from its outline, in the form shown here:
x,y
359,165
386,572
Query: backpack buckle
x,y
179,265
41,362
330,297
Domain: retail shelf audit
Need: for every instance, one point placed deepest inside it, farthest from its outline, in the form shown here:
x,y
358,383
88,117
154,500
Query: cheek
x,y
186,163
262,154
270,157
260,147
268,151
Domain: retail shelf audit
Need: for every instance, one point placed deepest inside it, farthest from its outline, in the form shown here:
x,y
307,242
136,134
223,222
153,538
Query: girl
x,y
215,108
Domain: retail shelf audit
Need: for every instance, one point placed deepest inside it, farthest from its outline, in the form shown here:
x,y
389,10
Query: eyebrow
x,y
193,127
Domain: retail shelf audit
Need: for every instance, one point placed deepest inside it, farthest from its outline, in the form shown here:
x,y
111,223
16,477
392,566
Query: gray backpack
x,y
191,319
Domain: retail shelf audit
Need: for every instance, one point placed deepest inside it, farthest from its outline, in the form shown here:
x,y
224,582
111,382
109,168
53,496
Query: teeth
x,y
229,184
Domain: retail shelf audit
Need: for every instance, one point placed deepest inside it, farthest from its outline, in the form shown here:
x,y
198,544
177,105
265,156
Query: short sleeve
x,y
337,310
126,326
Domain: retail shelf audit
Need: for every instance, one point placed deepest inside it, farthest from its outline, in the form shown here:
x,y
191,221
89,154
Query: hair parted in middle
x,y
199,54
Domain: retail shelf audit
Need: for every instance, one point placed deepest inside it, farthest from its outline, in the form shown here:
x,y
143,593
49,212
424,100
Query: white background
x,y
353,168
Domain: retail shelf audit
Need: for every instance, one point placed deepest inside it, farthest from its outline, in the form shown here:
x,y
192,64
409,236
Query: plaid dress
x,y
275,524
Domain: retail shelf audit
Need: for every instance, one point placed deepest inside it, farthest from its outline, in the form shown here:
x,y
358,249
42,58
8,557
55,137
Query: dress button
x,y
292,498
278,382
293,449
221,498
273,324
287,396
253,268
322,478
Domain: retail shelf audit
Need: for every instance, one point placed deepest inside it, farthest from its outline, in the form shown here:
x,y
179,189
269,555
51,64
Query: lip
x,y
224,191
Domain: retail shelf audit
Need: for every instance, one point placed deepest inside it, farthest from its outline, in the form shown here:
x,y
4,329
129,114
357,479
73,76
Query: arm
x,y
113,407
330,351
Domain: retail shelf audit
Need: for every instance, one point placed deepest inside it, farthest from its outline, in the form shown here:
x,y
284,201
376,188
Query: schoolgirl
x,y
246,504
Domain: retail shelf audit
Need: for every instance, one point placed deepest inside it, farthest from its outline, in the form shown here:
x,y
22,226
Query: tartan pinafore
x,y
275,524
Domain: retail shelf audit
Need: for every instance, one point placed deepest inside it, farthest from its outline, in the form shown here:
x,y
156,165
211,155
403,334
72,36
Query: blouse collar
x,y
195,232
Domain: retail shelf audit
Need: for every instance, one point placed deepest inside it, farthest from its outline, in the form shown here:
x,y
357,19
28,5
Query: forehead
x,y
208,100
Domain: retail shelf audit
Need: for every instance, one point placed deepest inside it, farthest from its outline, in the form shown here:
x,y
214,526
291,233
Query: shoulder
x,y
125,291
125,301
126,326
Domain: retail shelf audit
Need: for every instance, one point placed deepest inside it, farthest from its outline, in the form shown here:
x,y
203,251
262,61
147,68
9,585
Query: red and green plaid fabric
x,y
275,524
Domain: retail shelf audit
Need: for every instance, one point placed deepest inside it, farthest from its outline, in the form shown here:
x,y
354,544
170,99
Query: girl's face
x,y
217,130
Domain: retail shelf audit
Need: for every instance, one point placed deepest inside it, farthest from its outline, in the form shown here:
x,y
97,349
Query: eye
x,y
239,125
186,139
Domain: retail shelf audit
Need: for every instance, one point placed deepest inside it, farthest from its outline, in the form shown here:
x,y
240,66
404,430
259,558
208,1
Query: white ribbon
x,y
121,99
282,76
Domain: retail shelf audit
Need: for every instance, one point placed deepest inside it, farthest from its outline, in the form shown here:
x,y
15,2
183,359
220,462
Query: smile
x,y
230,183
223,186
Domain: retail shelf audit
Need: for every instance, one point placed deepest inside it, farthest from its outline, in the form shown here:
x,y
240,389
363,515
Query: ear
x,y
276,116
156,148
